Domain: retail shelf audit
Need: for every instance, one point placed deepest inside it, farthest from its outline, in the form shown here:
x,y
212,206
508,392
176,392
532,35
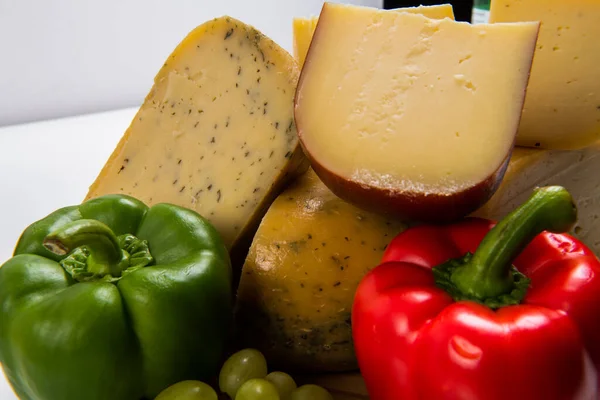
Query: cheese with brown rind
x,y
402,114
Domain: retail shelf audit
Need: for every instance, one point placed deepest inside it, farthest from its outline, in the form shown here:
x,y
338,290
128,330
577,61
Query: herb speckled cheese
x,y
298,282
216,132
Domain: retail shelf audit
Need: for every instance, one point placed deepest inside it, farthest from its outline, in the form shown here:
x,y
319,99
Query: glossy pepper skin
x,y
422,335
114,324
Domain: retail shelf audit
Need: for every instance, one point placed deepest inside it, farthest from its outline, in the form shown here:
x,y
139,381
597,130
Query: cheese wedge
x,y
576,170
304,28
216,133
411,116
297,286
562,106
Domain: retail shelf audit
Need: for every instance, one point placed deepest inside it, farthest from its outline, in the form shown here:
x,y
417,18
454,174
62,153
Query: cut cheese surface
x,y
396,100
576,170
562,106
304,28
216,133
440,11
298,282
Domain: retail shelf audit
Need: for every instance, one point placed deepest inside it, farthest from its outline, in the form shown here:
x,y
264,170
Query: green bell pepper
x,y
114,300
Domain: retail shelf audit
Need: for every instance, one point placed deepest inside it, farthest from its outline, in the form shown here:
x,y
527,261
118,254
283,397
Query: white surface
x,y
69,57
48,165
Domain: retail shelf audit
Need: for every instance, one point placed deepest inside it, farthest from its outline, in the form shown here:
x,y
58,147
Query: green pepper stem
x,y
106,256
489,272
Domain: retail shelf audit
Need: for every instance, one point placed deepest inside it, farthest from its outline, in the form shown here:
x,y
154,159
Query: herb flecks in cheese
x,y
298,282
216,132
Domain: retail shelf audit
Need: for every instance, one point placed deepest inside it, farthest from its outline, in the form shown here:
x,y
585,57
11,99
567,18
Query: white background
x,y
66,57
69,57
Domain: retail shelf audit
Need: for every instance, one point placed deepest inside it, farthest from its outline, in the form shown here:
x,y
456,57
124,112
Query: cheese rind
x,y
304,28
216,133
399,109
562,106
576,170
297,286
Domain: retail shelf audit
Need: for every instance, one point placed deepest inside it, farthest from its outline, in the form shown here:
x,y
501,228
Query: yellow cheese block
x,y
576,170
409,115
304,28
216,133
303,33
562,106
298,282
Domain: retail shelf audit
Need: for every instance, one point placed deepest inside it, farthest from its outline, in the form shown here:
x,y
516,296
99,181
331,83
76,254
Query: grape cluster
x,y
244,376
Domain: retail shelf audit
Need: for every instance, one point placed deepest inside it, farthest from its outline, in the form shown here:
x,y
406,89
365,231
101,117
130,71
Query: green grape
x,y
284,383
188,390
244,365
310,392
257,389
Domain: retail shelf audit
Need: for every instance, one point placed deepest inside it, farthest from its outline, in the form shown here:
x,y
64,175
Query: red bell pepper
x,y
483,311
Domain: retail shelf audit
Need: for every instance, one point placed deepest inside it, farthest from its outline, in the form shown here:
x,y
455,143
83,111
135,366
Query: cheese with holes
x,y
304,28
297,286
576,170
216,133
562,106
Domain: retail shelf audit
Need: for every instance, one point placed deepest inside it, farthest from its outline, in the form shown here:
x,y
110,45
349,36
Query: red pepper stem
x,y
489,272
106,256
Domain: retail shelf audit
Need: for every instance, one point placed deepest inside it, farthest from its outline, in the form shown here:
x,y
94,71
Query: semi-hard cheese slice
x,y
216,133
562,106
410,115
303,33
304,28
298,282
576,170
